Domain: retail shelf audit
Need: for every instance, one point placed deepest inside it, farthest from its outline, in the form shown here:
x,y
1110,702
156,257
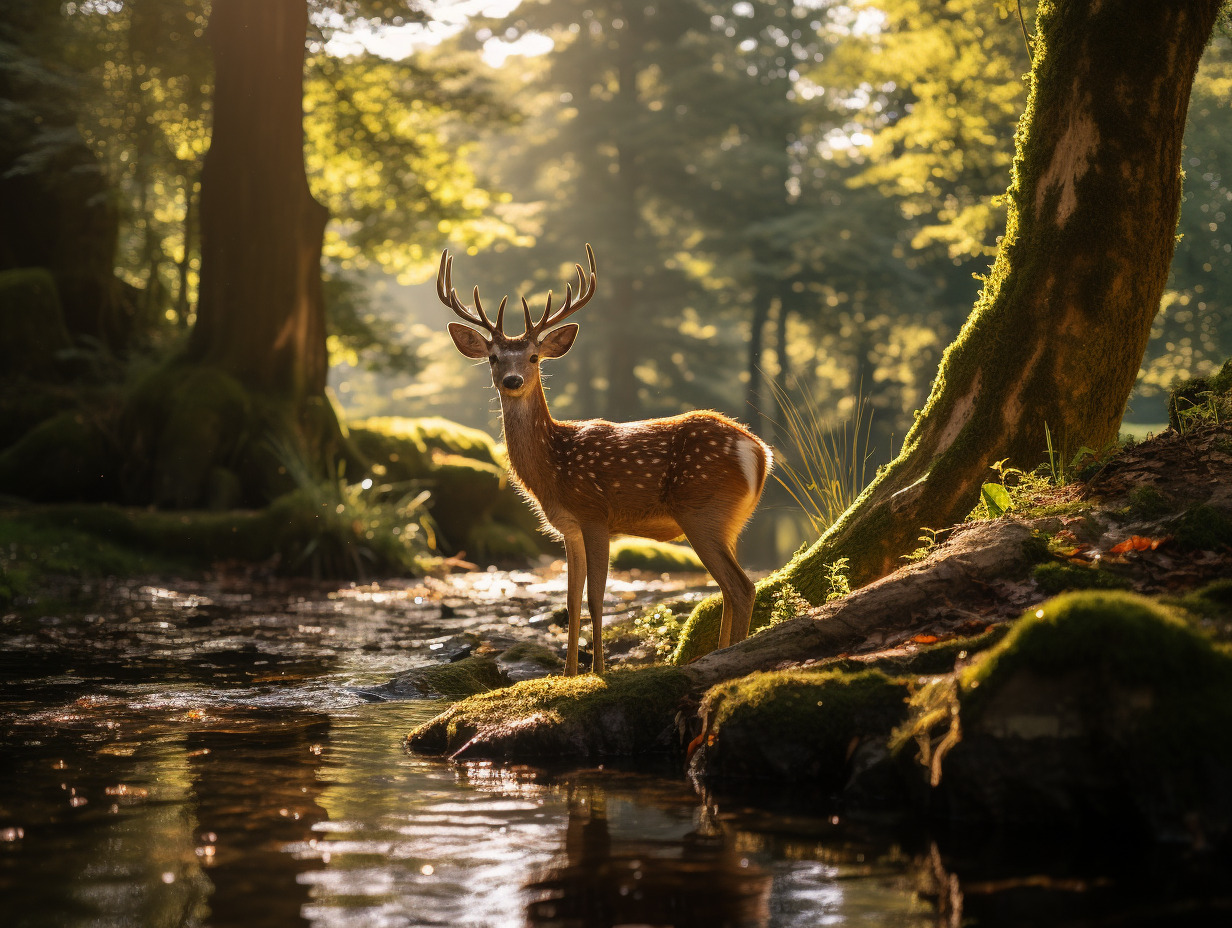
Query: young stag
x,y
699,474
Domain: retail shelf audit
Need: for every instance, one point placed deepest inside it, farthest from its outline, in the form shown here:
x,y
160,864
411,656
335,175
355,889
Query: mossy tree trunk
x,y
261,314
1058,333
246,404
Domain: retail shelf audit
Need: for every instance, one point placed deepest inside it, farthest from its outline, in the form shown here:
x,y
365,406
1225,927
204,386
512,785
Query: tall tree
x,y
261,316
1059,331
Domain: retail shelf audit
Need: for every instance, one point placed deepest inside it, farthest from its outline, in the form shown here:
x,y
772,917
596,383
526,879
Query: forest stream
x,y
197,755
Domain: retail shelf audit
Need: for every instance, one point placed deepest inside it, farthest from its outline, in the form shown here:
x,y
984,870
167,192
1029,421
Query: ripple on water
x,y
196,757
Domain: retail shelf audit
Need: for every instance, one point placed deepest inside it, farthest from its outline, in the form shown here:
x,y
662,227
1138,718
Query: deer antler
x,y
586,289
447,295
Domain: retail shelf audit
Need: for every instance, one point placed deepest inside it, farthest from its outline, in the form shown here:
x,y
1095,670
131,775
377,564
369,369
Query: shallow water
x,y
195,756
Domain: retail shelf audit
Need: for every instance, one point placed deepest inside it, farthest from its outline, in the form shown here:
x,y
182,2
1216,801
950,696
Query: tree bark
x,y
260,315
1058,334
756,405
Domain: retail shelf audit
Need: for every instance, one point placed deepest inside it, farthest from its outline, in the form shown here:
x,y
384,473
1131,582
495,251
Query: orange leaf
x,y
1137,543
924,639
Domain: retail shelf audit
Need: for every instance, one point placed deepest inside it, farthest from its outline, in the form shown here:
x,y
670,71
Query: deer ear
x,y
558,341
468,341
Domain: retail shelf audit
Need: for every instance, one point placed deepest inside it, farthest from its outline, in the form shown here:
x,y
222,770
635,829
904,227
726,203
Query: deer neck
x,y
529,437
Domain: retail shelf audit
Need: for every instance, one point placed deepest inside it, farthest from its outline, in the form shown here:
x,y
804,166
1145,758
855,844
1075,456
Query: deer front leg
x,y
575,560
597,542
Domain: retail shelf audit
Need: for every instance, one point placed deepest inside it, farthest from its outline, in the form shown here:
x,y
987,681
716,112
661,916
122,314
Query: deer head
x,y
514,359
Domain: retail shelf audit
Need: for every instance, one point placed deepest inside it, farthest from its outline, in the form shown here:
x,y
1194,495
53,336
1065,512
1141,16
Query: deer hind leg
x,y
575,559
718,555
598,543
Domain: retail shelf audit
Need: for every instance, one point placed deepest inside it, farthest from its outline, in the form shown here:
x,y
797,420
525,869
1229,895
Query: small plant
x,y
1056,463
788,604
928,541
1190,414
1014,489
334,529
829,467
836,578
660,628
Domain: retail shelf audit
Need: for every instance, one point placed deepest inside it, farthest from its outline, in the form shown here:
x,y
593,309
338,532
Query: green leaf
x,y
996,499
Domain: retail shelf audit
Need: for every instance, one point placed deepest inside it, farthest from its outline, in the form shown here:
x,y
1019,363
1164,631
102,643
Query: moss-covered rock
x,y
456,679
1203,528
183,420
798,725
400,452
622,713
32,322
464,491
656,556
67,457
1148,502
423,439
489,540
528,660
1055,577
1098,708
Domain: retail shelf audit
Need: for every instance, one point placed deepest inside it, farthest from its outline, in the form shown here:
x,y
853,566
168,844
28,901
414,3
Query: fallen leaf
x,y
1137,543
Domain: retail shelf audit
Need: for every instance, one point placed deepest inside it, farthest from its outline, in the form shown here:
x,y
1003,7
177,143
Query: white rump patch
x,y
749,454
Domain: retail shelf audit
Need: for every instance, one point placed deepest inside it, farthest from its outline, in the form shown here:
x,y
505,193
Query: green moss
x,y
1212,600
464,492
1097,707
532,652
1107,637
26,403
398,456
798,724
1210,608
466,677
1037,547
66,457
32,321
490,540
31,553
1221,382
432,436
622,712
656,556
1146,503
1202,528
1054,577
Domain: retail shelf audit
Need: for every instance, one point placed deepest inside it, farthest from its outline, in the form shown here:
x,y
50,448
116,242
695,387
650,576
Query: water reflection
x,y
194,761
700,878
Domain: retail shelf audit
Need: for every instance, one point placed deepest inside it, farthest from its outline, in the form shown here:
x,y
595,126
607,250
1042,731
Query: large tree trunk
x,y
260,315
1057,336
245,408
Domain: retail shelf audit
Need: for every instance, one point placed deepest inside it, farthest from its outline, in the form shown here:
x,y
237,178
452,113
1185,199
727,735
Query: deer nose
x,y
512,381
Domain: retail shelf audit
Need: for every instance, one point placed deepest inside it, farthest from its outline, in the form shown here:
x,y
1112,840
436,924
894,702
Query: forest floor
x,y
1106,585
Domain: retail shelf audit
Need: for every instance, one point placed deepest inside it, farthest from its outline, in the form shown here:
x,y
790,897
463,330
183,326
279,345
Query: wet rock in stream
x,y
465,674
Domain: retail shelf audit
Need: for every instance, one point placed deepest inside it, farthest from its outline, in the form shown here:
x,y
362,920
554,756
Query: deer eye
x,y
491,359
534,359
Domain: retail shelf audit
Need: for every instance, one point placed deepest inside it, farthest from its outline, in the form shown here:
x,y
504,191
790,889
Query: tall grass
x,y
825,466
332,529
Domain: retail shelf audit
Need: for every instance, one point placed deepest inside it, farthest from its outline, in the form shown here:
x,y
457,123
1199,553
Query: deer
x,y
698,475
